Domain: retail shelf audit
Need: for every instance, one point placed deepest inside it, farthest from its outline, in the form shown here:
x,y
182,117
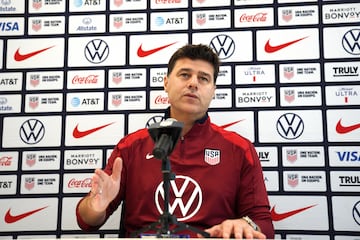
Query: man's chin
x,y
195,112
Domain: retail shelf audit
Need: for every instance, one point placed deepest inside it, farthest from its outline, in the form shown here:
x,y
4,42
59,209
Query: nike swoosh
x,y
79,134
230,124
271,49
9,218
149,156
346,129
21,57
281,216
145,53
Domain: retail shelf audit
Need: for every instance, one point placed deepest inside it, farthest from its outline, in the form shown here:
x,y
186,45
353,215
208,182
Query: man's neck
x,y
188,120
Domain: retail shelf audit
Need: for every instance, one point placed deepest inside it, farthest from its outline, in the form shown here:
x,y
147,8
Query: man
x,y
219,186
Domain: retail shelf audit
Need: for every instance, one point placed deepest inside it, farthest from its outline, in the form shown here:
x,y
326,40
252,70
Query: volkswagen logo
x,y
351,41
154,119
223,45
96,51
290,126
32,131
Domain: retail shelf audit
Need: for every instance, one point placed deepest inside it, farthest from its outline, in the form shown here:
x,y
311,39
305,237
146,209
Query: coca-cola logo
x,y
259,17
5,161
90,79
75,183
167,1
161,100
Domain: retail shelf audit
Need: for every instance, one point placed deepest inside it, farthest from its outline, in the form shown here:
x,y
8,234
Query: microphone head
x,y
170,127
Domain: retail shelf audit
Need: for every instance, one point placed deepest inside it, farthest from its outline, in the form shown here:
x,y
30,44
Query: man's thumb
x,y
117,168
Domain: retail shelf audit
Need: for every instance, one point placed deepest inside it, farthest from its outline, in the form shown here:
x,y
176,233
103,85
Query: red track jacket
x,y
218,177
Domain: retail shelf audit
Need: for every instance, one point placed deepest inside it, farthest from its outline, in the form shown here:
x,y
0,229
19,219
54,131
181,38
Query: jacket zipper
x,y
182,148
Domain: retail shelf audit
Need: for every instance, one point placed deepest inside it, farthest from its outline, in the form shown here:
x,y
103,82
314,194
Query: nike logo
x,y
346,129
271,49
149,156
80,134
281,216
145,53
21,57
9,218
230,124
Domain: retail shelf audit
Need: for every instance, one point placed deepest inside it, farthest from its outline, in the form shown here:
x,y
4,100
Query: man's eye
x,y
204,79
185,75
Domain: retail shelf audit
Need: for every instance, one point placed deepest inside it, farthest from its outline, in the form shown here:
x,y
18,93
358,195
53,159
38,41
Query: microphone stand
x,y
162,226
165,135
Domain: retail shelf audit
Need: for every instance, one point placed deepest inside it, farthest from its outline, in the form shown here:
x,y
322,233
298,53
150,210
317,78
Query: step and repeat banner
x,y
78,75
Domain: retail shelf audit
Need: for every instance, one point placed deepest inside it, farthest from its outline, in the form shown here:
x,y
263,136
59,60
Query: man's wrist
x,y
251,223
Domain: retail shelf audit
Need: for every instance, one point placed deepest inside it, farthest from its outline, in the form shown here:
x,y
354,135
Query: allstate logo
x,y
3,100
5,2
87,21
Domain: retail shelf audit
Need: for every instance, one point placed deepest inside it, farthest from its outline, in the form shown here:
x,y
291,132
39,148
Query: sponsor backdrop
x,y
78,75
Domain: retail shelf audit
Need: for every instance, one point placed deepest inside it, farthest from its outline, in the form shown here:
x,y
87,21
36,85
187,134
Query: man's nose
x,y
193,81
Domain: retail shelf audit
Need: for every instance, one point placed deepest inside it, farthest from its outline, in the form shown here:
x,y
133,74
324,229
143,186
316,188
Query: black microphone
x,y
165,134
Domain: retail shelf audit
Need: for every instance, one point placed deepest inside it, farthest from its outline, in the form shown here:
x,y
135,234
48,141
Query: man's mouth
x,y
191,95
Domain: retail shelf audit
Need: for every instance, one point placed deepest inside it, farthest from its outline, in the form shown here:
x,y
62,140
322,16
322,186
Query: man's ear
x,y
165,83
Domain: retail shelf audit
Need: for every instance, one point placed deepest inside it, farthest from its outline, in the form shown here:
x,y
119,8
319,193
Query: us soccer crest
x,y
212,157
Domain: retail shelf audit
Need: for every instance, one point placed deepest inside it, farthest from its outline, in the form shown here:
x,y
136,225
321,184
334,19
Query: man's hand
x,y
236,228
104,187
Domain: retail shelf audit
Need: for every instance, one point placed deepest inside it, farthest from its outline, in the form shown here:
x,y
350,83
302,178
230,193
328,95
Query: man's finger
x,y
248,234
214,231
100,174
117,168
227,229
259,235
238,231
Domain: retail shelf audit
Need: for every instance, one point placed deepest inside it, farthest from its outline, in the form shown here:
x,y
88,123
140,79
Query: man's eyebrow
x,y
204,73
207,75
185,69
191,70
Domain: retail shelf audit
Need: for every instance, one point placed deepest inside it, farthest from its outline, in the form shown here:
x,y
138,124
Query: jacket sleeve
x,y
253,199
112,206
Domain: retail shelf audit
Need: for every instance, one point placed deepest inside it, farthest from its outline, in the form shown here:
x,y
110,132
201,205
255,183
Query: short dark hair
x,y
196,52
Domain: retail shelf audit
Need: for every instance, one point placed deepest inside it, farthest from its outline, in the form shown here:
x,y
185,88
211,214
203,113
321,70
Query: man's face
x,y
190,87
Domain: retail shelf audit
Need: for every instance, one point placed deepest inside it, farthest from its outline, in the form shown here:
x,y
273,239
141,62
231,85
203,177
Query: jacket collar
x,y
198,128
